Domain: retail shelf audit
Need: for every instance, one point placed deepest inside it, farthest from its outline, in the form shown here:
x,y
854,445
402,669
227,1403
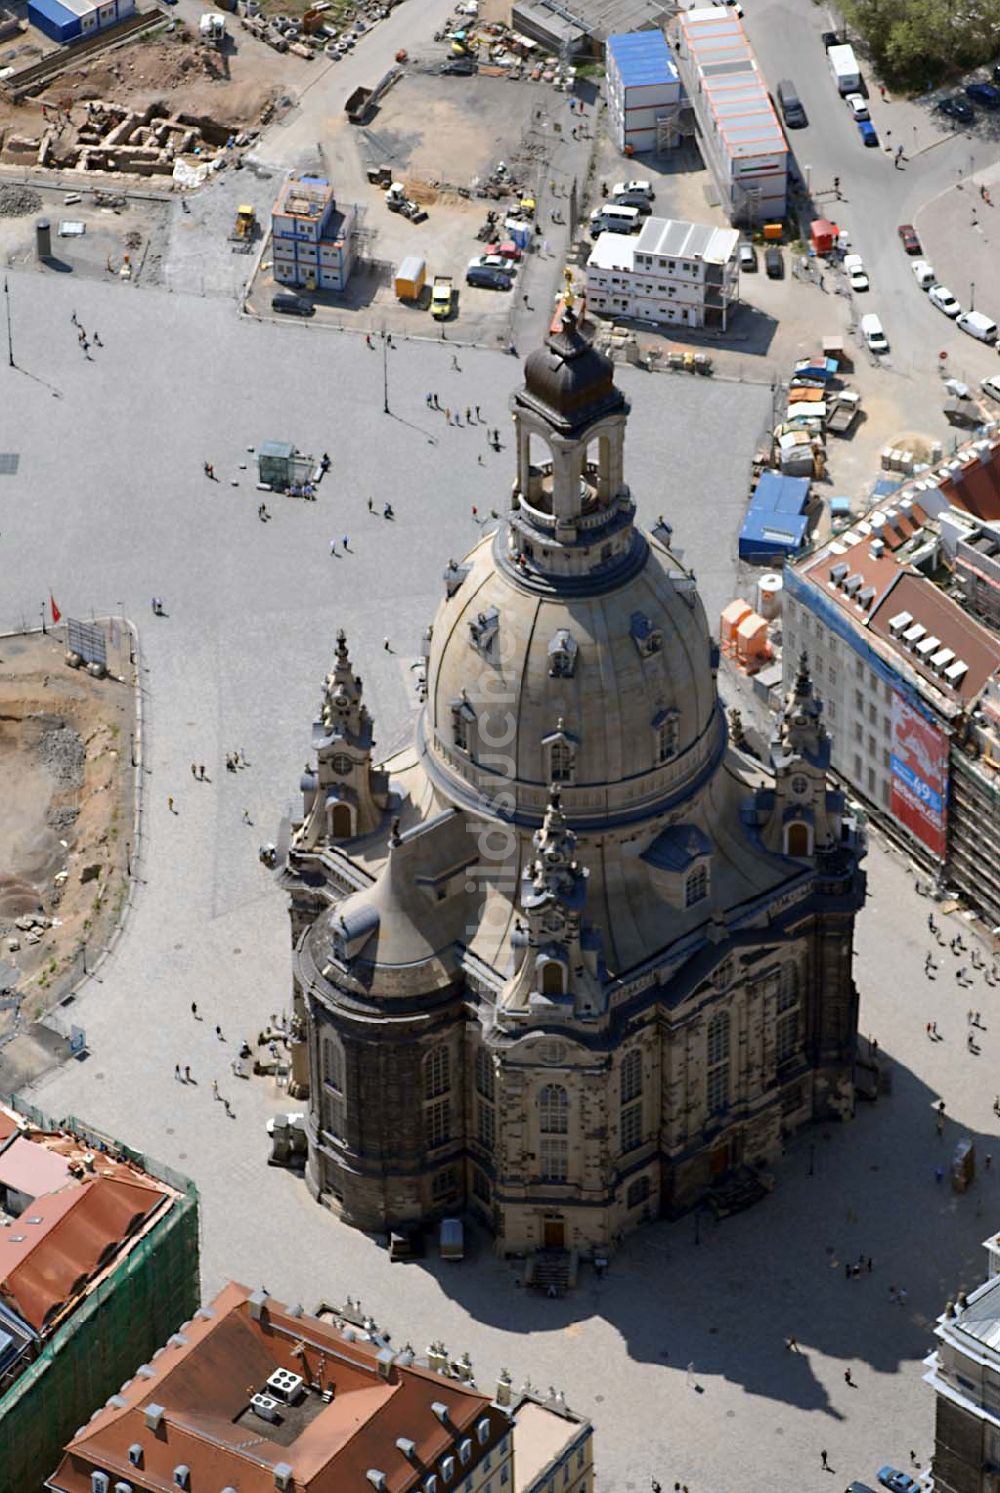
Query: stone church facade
x,y
570,960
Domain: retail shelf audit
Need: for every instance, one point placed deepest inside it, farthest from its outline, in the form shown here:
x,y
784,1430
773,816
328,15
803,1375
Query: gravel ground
x,y
18,202
64,754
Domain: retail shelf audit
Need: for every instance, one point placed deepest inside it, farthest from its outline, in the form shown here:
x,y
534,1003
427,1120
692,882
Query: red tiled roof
x,y
976,485
944,619
84,1208
61,1251
204,1380
829,569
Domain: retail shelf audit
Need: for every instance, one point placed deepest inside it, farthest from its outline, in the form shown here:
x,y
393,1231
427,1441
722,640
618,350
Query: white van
x,y
611,219
871,331
977,325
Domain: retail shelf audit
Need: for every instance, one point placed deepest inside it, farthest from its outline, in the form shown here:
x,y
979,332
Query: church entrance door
x,y
554,1233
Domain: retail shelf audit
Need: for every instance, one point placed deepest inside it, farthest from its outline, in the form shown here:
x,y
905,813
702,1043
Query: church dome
x,y
611,695
571,649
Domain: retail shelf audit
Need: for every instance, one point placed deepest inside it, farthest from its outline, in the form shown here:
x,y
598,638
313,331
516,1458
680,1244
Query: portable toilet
x,y
752,646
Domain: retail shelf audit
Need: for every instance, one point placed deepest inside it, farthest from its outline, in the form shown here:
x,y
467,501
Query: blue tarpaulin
x,y
775,525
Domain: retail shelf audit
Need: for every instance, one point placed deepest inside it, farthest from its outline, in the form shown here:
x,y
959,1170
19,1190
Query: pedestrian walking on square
x,y
939,1174
447,416
81,334
437,402
936,1033
228,1108
347,547
989,1160
371,507
430,401
177,1073
202,774
218,1033
246,817
823,1461
187,1074
478,415
468,415
194,1010
385,645
194,770
848,1379
170,805
333,547
97,341
215,1089
73,319
454,363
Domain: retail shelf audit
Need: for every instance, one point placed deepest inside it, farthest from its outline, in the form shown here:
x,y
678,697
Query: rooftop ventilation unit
x,y
927,646
837,572
153,1416
866,596
913,634
954,672
897,623
853,583
100,1482
258,1304
939,660
264,1406
384,1360
285,1386
877,548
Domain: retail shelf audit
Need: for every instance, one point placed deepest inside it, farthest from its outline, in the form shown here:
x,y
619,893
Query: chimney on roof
x,y
153,1416
407,1447
877,548
258,1305
282,1475
503,1395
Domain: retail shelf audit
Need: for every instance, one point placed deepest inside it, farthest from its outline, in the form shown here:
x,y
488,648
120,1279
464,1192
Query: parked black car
x,y
774,263
957,108
830,39
292,305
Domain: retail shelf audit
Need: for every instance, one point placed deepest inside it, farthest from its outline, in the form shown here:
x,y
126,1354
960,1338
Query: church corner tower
x,y
573,965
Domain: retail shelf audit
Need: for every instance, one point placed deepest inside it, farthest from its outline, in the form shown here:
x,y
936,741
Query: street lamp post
x,y
972,295
812,1159
385,374
697,1226
10,333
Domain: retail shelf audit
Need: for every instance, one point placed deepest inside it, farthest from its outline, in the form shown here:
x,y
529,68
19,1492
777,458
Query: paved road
x,y
877,197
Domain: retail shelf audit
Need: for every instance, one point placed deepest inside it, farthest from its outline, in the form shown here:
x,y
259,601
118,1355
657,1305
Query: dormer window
x,y
483,630
463,720
647,638
666,729
560,756
562,655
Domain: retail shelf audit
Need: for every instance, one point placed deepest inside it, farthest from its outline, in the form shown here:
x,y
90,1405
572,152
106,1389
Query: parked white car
x,y
941,297
637,188
923,273
991,386
855,270
858,105
871,331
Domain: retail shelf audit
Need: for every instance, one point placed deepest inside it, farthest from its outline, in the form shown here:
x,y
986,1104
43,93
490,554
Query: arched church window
x,y
553,1110
553,978
631,1078
667,728
437,1072
485,1083
638,1192
562,761
631,1101
333,1063
717,1063
787,1030
696,886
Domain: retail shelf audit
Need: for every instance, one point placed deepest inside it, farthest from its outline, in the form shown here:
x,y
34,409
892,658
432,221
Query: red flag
x,y
56,614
